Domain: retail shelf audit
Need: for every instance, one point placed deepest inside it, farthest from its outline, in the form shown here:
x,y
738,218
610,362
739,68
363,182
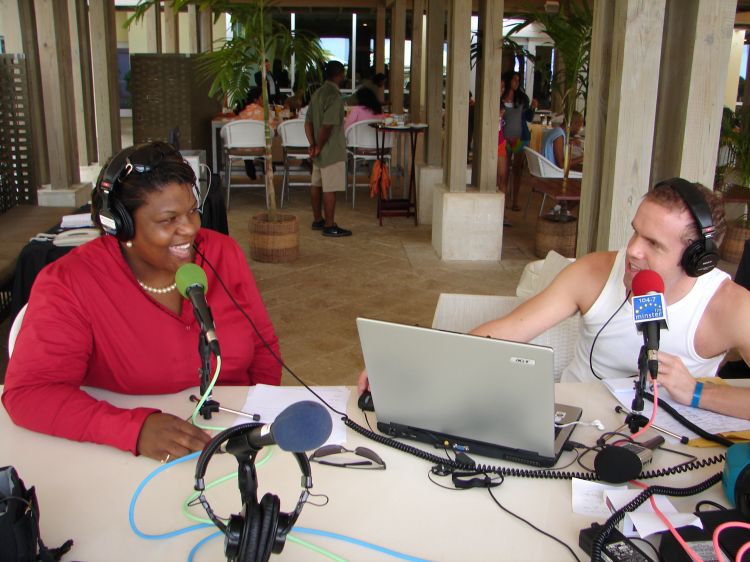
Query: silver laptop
x,y
492,397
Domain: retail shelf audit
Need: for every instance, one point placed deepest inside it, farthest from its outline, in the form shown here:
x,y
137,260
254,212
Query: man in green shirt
x,y
324,127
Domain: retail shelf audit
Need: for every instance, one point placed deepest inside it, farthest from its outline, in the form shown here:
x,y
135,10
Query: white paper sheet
x,y
81,220
588,498
644,521
623,391
269,401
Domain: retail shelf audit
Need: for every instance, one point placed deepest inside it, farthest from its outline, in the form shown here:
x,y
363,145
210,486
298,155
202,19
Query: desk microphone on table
x,y
622,464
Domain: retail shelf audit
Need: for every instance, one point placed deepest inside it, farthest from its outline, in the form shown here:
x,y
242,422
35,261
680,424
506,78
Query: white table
x,y
84,491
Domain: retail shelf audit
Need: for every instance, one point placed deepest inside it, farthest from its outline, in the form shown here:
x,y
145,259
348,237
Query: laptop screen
x,y
493,391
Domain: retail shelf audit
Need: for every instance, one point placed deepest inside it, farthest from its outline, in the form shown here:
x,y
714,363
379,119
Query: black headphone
x,y
113,216
701,255
261,528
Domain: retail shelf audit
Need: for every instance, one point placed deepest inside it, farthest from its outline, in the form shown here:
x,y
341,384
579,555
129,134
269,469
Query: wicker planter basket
x,y
734,242
274,242
556,232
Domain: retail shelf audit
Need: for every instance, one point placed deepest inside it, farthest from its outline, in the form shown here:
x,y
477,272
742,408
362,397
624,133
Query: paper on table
x,y
269,401
588,497
623,391
81,220
643,521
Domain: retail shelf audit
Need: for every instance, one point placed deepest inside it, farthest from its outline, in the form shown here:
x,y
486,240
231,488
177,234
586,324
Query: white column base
x,y
428,178
467,226
76,195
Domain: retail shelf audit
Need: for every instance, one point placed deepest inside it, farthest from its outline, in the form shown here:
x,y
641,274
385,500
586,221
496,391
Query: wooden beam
x,y
106,91
434,81
396,66
417,62
83,86
205,30
152,22
636,52
57,85
192,29
171,28
457,95
487,106
380,37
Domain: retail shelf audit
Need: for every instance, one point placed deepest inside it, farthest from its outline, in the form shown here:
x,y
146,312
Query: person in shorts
x,y
324,127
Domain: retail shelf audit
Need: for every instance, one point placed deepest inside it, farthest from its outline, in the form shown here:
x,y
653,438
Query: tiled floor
x,y
389,272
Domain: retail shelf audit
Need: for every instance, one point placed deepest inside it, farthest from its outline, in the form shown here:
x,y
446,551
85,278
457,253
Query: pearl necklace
x,y
154,290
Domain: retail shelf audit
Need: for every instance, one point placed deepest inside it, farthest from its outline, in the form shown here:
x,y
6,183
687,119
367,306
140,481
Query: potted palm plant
x,y
257,37
735,153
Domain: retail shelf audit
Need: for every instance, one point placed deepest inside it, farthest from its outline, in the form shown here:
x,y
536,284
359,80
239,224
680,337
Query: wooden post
x,y
171,28
380,37
56,72
152,22
457,95
205,30
697,41
417,61
192,30
83,86
396,66
596,123
487,107
636,51
106,92
434,82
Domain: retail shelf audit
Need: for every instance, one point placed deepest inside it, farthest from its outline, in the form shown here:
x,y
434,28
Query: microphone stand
x,y
204,373
635,419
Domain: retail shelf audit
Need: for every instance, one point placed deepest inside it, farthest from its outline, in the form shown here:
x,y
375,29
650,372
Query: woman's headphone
x,y
702,255
113,216
260,528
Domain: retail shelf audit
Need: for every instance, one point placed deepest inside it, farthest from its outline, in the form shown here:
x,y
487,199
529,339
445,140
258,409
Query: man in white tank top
x,y
707,314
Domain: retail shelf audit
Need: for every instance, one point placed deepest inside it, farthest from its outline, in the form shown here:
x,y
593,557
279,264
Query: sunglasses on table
x,y
326,455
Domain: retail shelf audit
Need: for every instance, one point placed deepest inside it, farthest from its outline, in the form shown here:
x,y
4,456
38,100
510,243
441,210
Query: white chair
x,y
295,145
243,139
462,313
540,167
15,328
362,145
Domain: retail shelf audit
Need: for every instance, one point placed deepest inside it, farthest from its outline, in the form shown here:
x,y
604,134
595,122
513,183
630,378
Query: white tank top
x,y
617,347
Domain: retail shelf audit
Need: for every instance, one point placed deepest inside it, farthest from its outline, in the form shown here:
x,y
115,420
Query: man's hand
x,y
674,376
313,151
165,435
363,383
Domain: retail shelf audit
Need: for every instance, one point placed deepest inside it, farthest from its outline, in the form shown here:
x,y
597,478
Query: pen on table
x,y
681,438
254,417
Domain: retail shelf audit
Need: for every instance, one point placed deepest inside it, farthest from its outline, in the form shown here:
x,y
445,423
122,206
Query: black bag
x,y
19,523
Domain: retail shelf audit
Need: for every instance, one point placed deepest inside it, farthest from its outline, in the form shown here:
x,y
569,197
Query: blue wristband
x,y
697,395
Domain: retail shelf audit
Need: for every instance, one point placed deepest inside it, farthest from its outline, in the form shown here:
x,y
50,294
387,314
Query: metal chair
x,y
243,139
540,167
295,145
362,145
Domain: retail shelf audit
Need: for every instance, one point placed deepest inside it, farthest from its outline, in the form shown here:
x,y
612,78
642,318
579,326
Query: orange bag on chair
x,y
380,180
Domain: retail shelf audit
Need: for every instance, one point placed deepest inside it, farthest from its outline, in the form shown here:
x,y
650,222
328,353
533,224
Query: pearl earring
x,y
129,243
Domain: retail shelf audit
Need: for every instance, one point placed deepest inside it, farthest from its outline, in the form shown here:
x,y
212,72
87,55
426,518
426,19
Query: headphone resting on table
x,y
113,216
701,255
261,528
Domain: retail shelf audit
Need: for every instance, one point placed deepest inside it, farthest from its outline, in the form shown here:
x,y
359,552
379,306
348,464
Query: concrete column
x,y
697,42
152,22
205,30
396,66
380,37
457,95
106,93
83,86
417,61
56,73
171,28
487,107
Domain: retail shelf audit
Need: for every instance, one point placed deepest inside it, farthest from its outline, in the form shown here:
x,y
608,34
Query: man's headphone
x,y
113,216
701,255
261,528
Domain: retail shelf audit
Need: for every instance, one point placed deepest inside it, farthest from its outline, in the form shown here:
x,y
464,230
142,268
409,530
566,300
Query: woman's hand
x,y
164,437
363,382
674,376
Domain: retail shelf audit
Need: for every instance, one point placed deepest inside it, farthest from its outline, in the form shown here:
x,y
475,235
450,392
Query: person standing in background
x,y
518,111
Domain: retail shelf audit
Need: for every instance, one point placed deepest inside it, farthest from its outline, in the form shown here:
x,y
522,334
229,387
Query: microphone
x,y
649,313
192,283
300,427
622,464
